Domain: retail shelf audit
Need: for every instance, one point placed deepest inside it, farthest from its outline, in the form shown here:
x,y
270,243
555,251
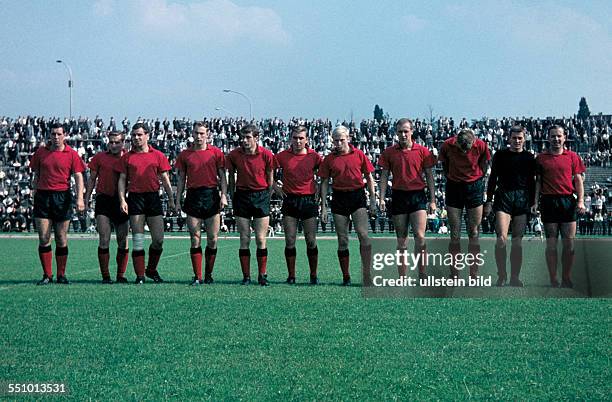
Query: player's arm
x,y
491,185
431,187
79,184
231,185
91,184
538,186
382,186
121,188
579,186
270,179
277,187
483,163
223,183
34,182
372,190
323,197
180,189
165,179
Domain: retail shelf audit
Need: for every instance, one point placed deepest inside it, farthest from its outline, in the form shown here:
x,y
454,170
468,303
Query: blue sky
x,y
311,59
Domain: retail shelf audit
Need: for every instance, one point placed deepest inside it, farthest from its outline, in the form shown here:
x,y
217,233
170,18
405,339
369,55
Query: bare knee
x,y
196,239
363,237
290,241
211,240
502,240
157,242
342,241
122,242
260,241
419,239
44,239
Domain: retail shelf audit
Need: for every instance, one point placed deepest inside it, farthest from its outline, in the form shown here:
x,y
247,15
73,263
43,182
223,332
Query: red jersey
x,y
407,165
201,166
143,169
298,171
104,164
346,170
53,168
557,172
464,167
251,169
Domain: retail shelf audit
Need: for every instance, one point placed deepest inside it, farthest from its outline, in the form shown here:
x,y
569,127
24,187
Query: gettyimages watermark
x,y
440,271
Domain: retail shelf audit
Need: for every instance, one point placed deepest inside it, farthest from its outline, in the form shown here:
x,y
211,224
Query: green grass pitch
x,y
229,342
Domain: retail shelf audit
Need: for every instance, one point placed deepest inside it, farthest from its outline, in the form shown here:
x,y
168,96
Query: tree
x,y
378,113
583,109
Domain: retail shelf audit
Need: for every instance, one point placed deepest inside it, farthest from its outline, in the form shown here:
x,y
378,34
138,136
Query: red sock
x,y
551,263
454,248
61,257
245,262
474,249
210,255
103,258
366,263
344,259
138,259
567,262
122,261
46,260
154,255
290,254
516,260
196,261
262,260
313,260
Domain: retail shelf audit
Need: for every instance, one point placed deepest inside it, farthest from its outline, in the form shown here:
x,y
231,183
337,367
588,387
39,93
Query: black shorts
x,y
465,195
558,208
512,202
53,205
346,202
108,206
251,204
147,204
202,202
407,202
300,206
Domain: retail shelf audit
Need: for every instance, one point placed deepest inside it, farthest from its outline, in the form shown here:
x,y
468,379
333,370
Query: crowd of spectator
x,y
20,137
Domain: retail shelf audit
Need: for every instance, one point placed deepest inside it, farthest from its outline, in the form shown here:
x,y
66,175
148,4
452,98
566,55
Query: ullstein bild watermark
x,y
436,272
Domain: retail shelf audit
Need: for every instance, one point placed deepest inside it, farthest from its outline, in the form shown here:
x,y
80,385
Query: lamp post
x,y
69,82
245,97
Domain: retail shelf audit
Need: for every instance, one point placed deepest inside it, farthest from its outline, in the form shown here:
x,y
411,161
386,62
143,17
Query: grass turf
x,y
226,341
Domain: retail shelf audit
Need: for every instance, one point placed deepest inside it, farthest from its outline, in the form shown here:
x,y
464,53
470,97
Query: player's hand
x,y
324,217
80,205
487,208
177,208
580,207
123,206
372,208
223,202
432,207
534,208
382,205
278,189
